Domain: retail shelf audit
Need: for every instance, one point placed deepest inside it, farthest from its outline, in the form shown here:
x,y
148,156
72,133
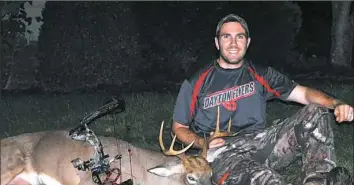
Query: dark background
x,y
144,46
88,51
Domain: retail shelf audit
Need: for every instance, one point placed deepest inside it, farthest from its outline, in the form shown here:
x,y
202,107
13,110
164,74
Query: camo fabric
x,y
256,158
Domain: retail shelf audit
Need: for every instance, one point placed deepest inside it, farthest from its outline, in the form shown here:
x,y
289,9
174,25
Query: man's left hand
x,y
343,113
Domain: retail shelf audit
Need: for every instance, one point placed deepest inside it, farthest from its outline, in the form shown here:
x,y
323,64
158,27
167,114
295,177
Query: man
x,y
240,89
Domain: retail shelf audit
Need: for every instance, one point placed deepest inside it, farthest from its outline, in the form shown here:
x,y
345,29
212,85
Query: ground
x,y
145,111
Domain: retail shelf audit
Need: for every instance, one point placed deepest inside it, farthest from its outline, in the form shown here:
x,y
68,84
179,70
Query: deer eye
x,y
191,179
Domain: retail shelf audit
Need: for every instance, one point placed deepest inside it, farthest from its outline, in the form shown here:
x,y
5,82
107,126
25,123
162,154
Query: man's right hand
x,y
186,136
217,142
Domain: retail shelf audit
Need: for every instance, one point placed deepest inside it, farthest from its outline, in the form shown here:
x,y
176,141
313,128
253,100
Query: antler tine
x,y
171,151
217,129
229,126
205,149
217,132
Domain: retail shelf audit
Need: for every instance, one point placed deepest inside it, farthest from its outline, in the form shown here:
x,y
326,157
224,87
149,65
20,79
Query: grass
x,y
140,123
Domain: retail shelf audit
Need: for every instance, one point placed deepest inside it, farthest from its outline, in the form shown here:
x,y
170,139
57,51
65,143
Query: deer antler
x,y
216,134
171,151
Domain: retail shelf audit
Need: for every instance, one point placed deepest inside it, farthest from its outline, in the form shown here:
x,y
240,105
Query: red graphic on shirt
x,y
228,97
230,105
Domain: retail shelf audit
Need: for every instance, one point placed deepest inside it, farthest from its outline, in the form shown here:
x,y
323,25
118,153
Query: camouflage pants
x,y
253,159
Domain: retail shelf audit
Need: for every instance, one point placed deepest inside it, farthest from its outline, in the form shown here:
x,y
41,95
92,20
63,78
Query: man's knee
x,y
313,114
314,120
315,109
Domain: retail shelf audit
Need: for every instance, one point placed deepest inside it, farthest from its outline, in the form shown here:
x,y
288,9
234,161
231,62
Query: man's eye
x,y
225,36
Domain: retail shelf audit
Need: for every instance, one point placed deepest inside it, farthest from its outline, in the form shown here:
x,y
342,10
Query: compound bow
x,y
99,165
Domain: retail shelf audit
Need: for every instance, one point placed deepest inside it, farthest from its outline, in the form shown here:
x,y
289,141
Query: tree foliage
x,y
342,34
13,20
181,35
84,44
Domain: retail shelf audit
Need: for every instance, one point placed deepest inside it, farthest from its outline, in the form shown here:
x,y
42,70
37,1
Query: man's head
x,y
232,40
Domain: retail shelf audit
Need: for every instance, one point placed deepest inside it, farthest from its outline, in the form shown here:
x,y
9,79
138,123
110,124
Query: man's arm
x,y
292,91
305,95
186,136
182,117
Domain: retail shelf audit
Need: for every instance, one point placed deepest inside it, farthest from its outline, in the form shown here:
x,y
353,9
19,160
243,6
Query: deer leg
x,y
12,163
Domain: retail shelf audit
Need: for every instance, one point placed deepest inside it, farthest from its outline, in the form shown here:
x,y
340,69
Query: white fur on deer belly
x,y
38,179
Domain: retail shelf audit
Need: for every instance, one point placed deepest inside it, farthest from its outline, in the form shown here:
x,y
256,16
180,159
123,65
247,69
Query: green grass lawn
x,y
141,121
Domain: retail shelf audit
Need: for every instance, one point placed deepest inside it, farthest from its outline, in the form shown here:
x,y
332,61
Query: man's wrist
x,y
201,142
336,103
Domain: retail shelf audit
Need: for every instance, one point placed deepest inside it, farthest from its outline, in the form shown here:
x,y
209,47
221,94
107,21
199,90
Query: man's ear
x,y
248,41
167,169
217,43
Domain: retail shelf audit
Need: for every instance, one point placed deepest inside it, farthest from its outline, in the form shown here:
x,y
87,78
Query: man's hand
x,y
186,136
306,95
217,142
343,112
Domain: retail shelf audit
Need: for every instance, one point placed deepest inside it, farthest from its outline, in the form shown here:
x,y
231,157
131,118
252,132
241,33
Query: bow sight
x,y
99,165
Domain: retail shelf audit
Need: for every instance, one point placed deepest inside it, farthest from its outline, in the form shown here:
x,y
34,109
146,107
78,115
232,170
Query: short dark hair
x,y
232,18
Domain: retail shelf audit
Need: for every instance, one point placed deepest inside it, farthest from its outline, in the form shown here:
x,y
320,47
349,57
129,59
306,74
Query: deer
x,y
196,169
46,158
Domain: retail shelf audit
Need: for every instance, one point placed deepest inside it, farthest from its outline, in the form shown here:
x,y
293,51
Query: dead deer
x,y
45,158
195,170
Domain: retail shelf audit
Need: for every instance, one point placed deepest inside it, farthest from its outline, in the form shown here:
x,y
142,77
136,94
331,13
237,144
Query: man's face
x,y
232,42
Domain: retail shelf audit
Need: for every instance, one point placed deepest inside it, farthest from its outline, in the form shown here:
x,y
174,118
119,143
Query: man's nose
x,y
234,41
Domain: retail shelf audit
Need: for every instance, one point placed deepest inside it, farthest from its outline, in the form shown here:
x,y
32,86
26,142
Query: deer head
x,y
194,170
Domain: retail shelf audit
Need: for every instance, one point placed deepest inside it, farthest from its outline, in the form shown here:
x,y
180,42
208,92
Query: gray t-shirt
x,y
240,93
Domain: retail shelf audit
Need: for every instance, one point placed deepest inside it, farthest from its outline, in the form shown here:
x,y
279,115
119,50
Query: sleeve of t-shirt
x,y
278,82
181,113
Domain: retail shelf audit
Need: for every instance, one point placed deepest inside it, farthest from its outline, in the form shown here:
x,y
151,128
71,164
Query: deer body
x,y
46,157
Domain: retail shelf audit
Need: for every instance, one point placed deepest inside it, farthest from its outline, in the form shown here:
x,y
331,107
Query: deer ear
x,y
167,169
